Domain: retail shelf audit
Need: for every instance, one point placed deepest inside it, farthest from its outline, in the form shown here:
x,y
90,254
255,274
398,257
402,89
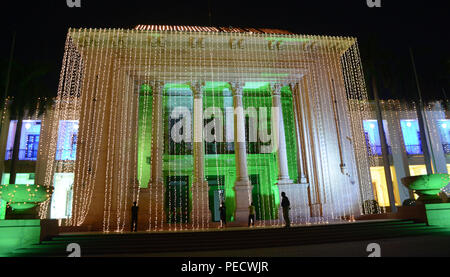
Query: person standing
x,y
251,214
223,215
286,205
134,217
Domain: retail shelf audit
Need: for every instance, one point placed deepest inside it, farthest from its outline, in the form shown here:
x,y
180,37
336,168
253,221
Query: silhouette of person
x,y
251,215
223,215
134,217
286,205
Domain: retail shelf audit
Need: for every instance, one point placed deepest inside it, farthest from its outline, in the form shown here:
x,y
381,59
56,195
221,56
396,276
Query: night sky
x,y
41,28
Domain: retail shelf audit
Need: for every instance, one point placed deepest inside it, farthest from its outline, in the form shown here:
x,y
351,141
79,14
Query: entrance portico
x,y
126,86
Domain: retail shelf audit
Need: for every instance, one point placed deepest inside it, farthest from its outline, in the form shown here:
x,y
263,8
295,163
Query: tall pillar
x,y
156,182
298,131
398,150
278,128
313,190
242,185
157,134
200,212
437,151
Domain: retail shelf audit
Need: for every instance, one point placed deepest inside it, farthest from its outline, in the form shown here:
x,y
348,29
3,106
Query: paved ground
x,y
423,246
400,247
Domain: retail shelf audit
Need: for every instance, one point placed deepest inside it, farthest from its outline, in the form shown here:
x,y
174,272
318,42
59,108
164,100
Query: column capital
x,y
237,88
157,87
293,86
276,88
197,88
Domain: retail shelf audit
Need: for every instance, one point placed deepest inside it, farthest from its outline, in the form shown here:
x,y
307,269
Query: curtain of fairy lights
x,y
359,109
66,107
128,88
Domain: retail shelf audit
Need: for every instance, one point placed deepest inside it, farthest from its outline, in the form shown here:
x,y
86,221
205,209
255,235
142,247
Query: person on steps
x,y
251,215
286,205
223,215
134,217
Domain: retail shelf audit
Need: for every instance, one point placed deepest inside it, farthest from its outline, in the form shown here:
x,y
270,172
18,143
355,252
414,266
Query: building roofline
x,y
230,29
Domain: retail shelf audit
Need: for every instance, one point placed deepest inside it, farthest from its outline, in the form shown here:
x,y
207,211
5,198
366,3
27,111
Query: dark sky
x,y
41,26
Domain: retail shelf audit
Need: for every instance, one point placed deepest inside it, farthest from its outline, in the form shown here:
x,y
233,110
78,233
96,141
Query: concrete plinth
x,y
19,233
243,192
438,214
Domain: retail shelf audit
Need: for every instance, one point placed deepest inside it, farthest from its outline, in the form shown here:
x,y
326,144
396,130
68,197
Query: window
x,y
180,148
379,186
29,139
32,147
411,137
372,134
178,117
66,148
444,132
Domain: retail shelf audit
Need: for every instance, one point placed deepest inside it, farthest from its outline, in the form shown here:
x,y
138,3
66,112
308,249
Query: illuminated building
x,y
405,146
182,118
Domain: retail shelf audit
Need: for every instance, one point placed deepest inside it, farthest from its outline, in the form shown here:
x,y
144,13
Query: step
x,y
234,239
214,233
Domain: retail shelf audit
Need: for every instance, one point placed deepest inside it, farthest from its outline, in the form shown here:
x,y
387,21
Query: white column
x,y
200,211
278,127
242,185
156,183
157,134
399,157
437,151
298,131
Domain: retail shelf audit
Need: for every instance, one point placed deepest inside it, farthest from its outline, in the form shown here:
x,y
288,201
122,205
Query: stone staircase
x,y
141,243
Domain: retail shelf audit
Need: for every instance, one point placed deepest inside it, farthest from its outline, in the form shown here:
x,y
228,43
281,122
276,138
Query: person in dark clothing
x,y
223,215
134,217
286,205
251,214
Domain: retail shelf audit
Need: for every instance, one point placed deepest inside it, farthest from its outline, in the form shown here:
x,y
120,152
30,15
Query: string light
x,y
108,64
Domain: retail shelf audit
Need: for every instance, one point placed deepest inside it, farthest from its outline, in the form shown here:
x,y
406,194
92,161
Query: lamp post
x,y
384,148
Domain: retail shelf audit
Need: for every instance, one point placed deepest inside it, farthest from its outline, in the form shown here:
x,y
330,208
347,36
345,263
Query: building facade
x,y
181,119
406,146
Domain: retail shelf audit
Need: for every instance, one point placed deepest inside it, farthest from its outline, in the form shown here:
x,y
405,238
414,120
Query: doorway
x,y
177,210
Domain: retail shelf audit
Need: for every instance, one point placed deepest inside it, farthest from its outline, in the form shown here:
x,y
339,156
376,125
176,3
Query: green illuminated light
x,y
430,184
262,168
22,197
